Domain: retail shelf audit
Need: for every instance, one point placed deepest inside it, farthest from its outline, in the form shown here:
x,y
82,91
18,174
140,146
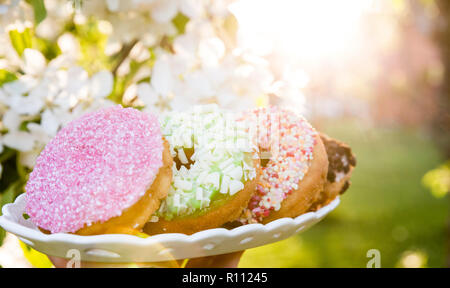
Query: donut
x,y
341,162
214,174
105,172
294,165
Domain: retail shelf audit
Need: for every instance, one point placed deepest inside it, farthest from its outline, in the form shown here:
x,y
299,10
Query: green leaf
x,y
7,197
6,76
180,21
118,90
20,40
39,10
10,193
27,36
92,47
16,41
2,235
48,48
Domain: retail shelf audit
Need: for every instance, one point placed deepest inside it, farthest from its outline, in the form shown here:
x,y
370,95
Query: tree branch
x,y
123,54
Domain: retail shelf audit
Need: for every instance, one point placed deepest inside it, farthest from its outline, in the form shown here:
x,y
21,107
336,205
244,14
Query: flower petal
x,y
211,50
34,62
29,105
19,140
164,10
11,120
161,77
49,122
147,94
101,84
28,159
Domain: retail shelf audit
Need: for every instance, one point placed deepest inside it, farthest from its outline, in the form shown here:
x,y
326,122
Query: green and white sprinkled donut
x,y
214,172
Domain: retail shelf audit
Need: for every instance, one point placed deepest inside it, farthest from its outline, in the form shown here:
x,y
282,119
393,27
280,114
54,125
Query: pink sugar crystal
x,y
94,168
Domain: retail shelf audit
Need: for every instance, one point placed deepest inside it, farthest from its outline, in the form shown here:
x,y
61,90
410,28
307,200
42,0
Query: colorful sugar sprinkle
x,y
289,140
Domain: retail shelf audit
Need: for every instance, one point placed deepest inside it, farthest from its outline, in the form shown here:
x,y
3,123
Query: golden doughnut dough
x,y
211,217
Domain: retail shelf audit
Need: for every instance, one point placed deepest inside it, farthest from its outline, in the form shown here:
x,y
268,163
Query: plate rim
x,y
10,223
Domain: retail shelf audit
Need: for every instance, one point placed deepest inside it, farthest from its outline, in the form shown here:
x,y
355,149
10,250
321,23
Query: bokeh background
x,y
374,74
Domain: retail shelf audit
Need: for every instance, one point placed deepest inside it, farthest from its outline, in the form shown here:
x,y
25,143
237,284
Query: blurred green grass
x,y
386,207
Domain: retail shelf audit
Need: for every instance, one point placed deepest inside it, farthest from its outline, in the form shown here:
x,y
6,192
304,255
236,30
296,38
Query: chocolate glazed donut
x,y
341,164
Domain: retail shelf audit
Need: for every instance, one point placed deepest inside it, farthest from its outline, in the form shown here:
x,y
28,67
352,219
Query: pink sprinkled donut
x,y
294,165
95,168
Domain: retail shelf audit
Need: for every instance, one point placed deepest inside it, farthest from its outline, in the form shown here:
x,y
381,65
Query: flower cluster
x,y
44,98
202,69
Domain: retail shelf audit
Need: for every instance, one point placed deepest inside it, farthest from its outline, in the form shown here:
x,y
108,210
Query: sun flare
x,y
303,29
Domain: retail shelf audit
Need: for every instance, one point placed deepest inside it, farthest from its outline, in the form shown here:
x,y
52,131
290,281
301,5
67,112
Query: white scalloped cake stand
x,y
121,248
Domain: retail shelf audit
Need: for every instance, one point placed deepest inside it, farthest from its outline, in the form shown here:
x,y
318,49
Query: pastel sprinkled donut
x,y
294,165
214,175
102,173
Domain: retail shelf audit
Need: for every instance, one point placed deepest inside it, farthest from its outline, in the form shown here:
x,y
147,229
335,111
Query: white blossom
x,y
101,84
20,86
28,158
199,66
49,122
211,50
48,96
27,105
147,94
34,62
163,11
162,77
69,45
19,140
11,120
